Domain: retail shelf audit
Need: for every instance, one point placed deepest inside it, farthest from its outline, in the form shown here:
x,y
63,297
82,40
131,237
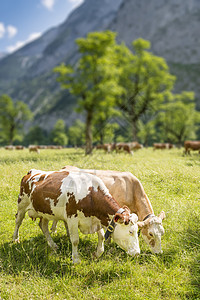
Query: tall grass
x,y
29,270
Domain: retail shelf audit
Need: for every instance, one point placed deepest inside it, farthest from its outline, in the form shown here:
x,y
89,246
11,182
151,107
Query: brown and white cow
x,y
128,190
81,201
191,145
128,147
162,146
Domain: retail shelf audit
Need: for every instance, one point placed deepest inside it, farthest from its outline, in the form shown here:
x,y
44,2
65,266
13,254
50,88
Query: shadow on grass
x,y
35,256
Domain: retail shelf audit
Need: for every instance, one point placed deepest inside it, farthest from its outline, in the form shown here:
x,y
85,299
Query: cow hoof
x,y
76,261
54,247
17,241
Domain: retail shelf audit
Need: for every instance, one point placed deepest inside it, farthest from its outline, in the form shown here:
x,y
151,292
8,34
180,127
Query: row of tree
x,y
111,80
124,95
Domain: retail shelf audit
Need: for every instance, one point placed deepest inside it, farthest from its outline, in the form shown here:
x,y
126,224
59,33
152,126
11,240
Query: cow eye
x,y
151,234
131,232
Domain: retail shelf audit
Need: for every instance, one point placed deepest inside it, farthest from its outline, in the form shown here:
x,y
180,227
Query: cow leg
x,y
19,218
100,246
72,224
44,227
54,225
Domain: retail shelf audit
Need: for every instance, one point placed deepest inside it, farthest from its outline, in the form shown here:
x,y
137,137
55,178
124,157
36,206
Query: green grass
x,y
30,270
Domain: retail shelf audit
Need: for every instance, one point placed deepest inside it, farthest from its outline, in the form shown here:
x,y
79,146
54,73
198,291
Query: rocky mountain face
x,y
172,27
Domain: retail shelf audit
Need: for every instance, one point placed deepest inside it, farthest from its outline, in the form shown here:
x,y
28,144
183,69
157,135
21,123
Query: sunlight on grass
x,y
29,270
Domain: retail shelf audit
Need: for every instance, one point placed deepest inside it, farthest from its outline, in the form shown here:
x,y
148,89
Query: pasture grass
x,y
29,270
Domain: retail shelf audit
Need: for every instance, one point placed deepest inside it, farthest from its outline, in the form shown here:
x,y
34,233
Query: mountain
x,y
172,27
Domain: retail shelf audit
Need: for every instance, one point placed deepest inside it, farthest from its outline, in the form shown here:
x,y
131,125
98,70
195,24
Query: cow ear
x,y
116,217
162,215
140,224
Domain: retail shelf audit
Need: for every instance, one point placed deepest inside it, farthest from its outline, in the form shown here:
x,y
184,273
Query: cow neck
x,y
105,206
144,208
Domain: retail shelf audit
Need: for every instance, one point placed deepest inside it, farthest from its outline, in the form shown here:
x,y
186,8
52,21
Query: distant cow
x,y
19,147
105,147
191,145
162,146
83,202
128,190
33,148
128,147
10,147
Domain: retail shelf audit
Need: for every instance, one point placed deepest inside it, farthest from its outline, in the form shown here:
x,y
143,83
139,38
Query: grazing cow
x,y
105,147
81,201
191,145
162,146
19,147
10,147
128,147
128,190
33,148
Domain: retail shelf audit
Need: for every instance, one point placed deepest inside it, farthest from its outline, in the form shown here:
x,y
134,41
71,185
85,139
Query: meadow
x,y
29,269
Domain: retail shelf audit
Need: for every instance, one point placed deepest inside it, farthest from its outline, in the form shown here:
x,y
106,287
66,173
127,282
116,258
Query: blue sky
x,y
23,20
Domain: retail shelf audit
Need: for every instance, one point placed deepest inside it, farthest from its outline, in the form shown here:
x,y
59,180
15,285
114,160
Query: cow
x,y
33,148
162,146
10,147
191,145
83,202
128,190
128,147
105,147
19,147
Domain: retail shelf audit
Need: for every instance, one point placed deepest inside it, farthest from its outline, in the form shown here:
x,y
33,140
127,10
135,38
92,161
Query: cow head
x,y
152,231
125,231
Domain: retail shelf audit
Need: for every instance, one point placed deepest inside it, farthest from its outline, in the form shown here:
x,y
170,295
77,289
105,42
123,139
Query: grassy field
x,y
30,270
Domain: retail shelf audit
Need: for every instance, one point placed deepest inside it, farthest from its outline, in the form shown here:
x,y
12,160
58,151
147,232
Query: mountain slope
x,y
171,26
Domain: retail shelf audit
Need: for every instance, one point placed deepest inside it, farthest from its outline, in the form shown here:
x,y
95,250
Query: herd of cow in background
x,y
118,147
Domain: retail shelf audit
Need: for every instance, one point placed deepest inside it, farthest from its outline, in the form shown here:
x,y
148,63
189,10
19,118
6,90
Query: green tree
x,y
76,133
94,79
146,81
58,133
146,132
36,136
178,119
12,118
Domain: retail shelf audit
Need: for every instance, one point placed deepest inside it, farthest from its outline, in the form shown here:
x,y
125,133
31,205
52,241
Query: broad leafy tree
x,y
146,81
12,118
58,134
94,79
36,136
178,120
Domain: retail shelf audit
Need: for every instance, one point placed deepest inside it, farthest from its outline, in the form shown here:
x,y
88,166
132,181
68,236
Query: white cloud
x,y
48,4
11,30
20,44
2,30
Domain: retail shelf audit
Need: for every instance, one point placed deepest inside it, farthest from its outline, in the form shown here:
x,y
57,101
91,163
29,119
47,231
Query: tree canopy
x,y
94,79
12,118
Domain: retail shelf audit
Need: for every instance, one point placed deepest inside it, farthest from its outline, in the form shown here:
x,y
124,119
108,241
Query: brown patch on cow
x,y
96,204
47,188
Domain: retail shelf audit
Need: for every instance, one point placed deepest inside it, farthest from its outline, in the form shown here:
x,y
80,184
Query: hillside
x,y
172,27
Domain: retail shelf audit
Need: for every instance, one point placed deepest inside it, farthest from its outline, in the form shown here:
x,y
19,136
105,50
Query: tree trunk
x,y
134,130
88,134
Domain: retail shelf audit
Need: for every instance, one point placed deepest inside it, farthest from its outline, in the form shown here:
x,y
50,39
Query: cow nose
x,y
134,252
